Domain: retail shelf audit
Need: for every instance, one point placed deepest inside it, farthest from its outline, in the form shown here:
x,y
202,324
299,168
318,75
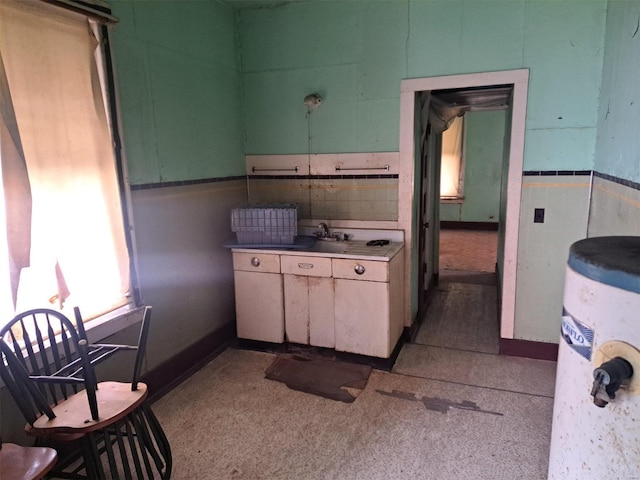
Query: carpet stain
x,y
436,404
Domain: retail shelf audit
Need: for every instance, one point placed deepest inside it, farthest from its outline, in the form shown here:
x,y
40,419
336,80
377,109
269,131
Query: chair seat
x,y
115,401
25,463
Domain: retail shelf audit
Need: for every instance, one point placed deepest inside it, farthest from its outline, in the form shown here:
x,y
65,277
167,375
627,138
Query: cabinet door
x,y
321,312
296,309
309,312
362,317
259,306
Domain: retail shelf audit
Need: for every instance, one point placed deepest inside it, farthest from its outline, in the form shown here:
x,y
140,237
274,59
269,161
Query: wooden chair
x,y
99,352
49,348
25,463
49,371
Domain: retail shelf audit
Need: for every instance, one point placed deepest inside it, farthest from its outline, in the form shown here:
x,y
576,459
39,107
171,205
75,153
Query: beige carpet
x,y
468,250
451,409
228,422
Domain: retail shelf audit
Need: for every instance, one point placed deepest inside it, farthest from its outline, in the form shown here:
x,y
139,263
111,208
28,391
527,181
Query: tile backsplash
x,y
357,197
341,186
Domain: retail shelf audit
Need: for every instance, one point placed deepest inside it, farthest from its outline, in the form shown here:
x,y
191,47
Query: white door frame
x,y
406,221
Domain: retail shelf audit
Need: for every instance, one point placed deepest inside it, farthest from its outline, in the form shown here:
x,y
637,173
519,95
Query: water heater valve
x,y
607,379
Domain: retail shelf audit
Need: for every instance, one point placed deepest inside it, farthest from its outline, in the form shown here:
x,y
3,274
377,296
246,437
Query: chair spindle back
x,y
47,345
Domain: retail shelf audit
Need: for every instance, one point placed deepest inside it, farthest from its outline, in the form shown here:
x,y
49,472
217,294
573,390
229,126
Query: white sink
x,y
330,247
353,249
325,248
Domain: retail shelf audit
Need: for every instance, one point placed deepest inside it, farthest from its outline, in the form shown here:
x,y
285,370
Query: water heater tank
x,y
596,412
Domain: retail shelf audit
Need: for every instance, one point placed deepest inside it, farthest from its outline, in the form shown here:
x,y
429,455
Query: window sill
x,y
113,322
109,324
451,199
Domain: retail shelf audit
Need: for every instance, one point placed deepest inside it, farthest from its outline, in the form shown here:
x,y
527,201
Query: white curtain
x,y
78,247
452,145
14,180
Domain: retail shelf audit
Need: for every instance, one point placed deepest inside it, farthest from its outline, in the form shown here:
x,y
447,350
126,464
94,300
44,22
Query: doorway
x,y
418,193
470,181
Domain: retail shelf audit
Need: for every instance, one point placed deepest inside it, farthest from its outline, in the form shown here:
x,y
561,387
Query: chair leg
x,y
164,449
136,448
91,456
108,448
153,450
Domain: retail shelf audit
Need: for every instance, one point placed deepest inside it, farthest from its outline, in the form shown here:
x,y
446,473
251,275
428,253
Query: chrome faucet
x,y
324,230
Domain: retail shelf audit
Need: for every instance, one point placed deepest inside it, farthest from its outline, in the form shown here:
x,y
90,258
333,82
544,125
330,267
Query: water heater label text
x,y
577,335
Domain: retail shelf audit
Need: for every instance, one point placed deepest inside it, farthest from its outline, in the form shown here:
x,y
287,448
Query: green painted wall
x,y
183,95
355,54
618,143
179,86
483,170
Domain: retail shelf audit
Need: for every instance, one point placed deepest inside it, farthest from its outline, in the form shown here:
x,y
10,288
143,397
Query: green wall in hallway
x,y
618,144
179,88
356,53
483,170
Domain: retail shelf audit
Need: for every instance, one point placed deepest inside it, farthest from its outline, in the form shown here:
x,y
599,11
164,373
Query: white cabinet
x,y
368,305
259,297
308,300
347,303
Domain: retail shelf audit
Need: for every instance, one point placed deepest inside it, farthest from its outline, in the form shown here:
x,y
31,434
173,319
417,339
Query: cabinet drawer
x,y
372,271
258,262
306,266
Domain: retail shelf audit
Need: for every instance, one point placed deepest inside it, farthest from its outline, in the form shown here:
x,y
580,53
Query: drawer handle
x,y
255,261
359,269
306,266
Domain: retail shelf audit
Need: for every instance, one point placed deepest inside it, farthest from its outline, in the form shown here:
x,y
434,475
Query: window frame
x,y
120,161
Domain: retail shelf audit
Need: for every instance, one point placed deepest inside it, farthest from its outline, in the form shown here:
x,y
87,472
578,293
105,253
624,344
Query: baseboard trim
x,y
409,334
170,373
295,348
451,225
529,349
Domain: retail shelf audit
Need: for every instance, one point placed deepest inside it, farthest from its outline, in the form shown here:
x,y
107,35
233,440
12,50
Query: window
x,y
62,235
452,164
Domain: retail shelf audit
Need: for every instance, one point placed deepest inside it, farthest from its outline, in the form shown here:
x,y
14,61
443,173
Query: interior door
x,y
428,215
